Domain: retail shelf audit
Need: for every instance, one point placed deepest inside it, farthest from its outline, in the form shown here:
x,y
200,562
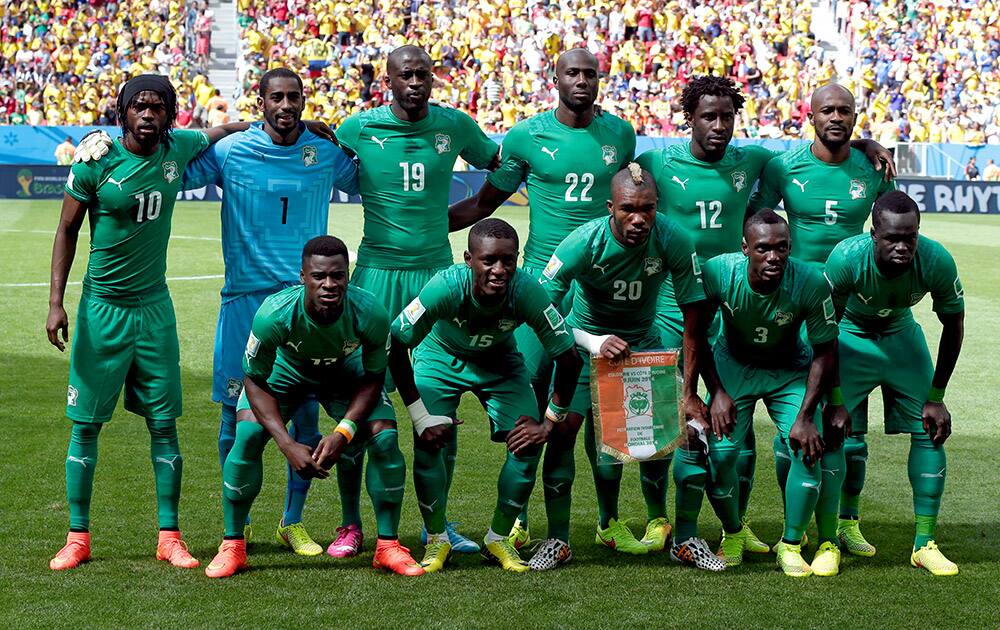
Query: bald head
x,y
407,53
828,92
577,81
579,57
409,78
832,116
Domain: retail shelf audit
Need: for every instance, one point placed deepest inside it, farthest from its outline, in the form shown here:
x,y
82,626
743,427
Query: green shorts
x,y
536,359
582,403
670,323
395,287
334,396
900,363
500,382
119,344
782,391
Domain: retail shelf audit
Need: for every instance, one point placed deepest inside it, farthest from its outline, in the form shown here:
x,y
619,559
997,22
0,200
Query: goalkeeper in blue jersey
x,y
276,179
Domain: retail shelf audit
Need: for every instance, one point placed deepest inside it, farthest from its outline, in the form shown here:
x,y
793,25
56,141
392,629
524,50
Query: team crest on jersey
x,y
170,172
506,325
609,154
552,268
350,346
71,395
654,265
858,189
310,156
782,318
915,297
739,180
442,143
553,317
234,387
253,344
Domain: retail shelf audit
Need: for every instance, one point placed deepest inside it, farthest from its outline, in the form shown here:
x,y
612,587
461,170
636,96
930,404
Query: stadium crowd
x,y
61,60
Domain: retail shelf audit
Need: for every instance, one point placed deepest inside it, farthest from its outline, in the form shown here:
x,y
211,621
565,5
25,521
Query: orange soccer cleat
x,y
172,549
232,557
392,556
74,553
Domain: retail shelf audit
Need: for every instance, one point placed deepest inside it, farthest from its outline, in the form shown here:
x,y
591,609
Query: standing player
x,y
276,179
406,153
466,317
828,190
127,331
876,279
760,355
566,157
327,340
618,264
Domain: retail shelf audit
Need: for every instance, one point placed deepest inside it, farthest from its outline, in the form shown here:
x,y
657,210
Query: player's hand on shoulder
x,y
615,348
300,458
805,436
723,414
528,433
322,130
56,322
937,422
93,146
836,426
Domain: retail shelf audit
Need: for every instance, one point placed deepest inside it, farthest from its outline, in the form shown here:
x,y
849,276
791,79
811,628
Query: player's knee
x,y
161,430
723,458
384,447
85,433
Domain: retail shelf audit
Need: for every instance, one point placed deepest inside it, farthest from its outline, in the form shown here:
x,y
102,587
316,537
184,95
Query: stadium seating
x,y
61,61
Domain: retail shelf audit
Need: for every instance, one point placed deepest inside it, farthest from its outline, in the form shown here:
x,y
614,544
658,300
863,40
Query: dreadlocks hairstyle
x,y
709,85
148,83
492,228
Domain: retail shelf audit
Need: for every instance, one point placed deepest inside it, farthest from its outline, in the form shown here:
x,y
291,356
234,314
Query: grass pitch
x,y
123,586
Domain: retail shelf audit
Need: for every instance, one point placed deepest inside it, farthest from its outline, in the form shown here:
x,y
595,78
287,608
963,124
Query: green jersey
x,y
568,173
617,286
879,304
130,201
405,172
708,200
449,316
825,203
293,352
764,329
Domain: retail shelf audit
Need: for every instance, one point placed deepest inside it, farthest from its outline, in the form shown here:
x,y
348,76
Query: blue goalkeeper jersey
x,y
274,199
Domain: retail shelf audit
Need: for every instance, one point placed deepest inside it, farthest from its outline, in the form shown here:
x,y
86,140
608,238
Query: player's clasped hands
x,y
526,434
300,457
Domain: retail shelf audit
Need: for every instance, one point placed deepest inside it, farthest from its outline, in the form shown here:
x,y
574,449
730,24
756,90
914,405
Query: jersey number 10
x,y
151,210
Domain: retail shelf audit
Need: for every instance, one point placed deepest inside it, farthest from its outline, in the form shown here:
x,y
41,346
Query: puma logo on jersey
x,y
551,153
294,346
732,311
380,143
459,322
237,489
683,184
863,298
602,268
118,183
801,185
168,462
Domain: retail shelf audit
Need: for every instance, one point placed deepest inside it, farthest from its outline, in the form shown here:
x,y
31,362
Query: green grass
x,y
124,586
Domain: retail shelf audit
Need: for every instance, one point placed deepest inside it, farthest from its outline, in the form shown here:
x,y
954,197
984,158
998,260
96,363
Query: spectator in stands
x,y
971,170
64,152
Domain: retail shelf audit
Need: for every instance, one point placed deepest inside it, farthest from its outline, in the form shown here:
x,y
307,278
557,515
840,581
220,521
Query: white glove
x,y
590,343
422,419
94,146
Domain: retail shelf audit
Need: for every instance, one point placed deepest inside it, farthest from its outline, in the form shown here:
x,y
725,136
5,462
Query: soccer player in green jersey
x,y
876,279
566,157
465,318
766,296
127,333
827,189
406,152
618,264
326,339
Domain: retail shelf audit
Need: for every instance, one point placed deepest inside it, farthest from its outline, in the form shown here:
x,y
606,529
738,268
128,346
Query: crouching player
x,y
328,340
765,297
875,280
466,316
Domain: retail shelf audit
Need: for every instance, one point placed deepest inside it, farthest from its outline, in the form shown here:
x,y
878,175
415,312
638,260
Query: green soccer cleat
x,y
826,562
248,533
296,538
790,560
518,536
657,532
803,543
436,554
753,544
849,534
501,552
930,557
620,538
732,546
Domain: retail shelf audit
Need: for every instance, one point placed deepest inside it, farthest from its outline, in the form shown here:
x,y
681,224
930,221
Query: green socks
x,y
690,477
607,479
723,487
430,480
856,456
242,476
801,495
653,482
782,462
167,467
385,478
517,478
832,467
927,467
746,467
349,468
558,471
81,460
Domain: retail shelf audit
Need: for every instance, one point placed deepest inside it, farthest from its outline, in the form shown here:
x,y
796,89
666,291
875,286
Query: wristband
x,y
422,419
836,396
554,413
936,395
347,428
590,343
